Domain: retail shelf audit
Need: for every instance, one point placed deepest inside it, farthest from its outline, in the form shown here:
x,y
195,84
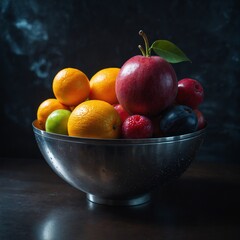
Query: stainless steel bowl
x,y
118,171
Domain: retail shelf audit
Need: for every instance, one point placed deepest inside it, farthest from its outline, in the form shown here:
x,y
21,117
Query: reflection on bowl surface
x,y
118,171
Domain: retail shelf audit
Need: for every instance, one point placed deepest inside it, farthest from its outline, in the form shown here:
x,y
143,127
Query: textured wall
x,y
38,38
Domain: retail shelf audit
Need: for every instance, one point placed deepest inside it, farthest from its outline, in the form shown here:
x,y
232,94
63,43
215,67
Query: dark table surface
x,y
36,204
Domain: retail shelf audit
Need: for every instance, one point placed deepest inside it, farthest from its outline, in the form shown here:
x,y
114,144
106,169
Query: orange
x,y
94,119
102,85
71,86
46,108
37,125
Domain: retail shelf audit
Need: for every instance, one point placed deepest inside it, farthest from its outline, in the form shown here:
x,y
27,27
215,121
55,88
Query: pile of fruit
x,y
142,99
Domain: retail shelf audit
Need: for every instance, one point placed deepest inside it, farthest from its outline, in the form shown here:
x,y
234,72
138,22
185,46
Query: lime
x,y
57,121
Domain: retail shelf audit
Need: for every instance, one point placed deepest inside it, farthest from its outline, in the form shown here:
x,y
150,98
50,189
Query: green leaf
x,y
169,51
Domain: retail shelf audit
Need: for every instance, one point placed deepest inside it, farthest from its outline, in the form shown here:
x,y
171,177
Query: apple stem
x,y
142,50
148,53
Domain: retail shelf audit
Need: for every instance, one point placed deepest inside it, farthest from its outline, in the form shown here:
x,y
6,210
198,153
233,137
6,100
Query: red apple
x,y
121,111
190,93
146,85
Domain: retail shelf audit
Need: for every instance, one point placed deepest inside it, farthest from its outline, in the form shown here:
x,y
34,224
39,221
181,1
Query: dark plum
x,y
177,120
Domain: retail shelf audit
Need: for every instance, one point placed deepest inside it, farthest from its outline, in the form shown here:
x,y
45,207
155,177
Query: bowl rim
x,y
117,141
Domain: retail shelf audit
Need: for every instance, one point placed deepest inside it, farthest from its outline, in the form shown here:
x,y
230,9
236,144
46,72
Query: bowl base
x,y
141,199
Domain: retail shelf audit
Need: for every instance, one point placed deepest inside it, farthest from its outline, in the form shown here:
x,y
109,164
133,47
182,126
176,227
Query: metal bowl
x,y
118,171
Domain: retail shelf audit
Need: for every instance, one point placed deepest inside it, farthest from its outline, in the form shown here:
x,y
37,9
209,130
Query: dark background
x,y
38,38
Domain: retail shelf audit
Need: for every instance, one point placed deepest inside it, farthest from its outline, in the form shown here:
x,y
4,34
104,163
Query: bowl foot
x,y
141,199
